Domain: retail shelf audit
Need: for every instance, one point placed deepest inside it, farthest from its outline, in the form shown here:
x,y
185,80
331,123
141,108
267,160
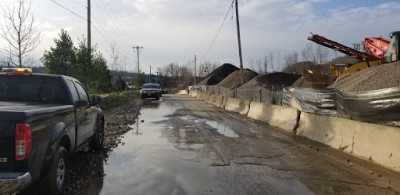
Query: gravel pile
x,y
273,81
312,80
376,77
234,79
218,74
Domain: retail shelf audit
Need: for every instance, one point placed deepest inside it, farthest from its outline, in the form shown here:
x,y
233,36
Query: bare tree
x,y
115,58
322,54
259,65
265,64
291,58
271,60
205,68
19,30
252,65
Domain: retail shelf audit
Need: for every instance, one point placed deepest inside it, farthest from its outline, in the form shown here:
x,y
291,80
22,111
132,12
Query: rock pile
x,y
218,74
376,77
234,79
272,81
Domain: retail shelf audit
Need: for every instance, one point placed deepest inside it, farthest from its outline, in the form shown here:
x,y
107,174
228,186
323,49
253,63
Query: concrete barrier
x,y
206,96
192,93
220,101
238,105
377,143
212,99
183,92
217,101
277,116
224,100
199,95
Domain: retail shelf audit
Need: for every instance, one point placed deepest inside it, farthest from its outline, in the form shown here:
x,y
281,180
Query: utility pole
x,y
89,45
150,75
239,41
157,78
137,52
195,69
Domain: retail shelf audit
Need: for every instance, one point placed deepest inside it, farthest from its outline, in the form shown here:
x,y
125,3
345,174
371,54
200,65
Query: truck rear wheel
x,y
96,143
59,172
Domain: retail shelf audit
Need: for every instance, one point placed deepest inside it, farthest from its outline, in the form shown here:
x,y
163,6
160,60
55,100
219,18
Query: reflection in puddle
x,y
168,154
148,163
222,129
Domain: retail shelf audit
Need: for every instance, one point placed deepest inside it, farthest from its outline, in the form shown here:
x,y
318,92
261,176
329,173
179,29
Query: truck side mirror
x,y
96,99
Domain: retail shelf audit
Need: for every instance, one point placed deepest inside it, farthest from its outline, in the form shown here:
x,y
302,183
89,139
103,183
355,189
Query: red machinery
x,y
374,47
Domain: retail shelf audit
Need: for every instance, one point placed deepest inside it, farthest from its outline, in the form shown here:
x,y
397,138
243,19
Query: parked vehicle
x,y
150,90
159,89
43,119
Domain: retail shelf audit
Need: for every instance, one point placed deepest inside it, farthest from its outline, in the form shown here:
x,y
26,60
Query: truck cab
x,y
392,54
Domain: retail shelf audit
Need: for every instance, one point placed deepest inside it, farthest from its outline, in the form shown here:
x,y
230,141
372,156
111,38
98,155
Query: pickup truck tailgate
x,y
7,131
8,121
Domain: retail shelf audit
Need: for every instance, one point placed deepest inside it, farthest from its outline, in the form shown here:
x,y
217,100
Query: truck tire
x,y
59,172
96,144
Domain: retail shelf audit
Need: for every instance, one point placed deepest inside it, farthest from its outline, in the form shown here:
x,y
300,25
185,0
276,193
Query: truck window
x,y
83,96
72,88
32,89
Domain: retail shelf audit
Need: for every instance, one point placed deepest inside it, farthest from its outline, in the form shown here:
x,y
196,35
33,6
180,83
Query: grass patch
x,y
117,99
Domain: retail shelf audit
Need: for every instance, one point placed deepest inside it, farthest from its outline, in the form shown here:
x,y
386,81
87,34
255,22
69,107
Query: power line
x,y
101,34
115,18
104,15
219,30
68,9
108,40
120,35
81,4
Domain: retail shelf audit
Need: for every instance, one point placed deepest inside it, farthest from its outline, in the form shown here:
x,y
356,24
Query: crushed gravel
x,y
273,81
374,78
218,74
234,79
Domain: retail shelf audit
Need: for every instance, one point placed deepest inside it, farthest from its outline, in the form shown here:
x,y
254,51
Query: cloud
x,y
176,30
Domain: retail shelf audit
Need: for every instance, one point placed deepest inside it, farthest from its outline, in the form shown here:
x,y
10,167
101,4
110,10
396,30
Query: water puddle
x,y
147,162
222,129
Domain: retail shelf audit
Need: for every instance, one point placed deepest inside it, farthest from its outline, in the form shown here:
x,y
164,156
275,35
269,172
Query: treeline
x,y
311,57
66,59
180,76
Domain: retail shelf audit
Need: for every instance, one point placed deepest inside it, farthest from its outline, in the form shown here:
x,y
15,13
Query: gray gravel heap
x,y
374,78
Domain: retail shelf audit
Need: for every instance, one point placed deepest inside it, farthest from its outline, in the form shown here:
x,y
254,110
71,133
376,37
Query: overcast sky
x,y
176,30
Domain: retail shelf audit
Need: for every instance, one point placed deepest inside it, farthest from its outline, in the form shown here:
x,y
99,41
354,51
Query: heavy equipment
x,y
376,50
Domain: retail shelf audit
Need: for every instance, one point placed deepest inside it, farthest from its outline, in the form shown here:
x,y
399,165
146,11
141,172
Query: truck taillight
x,y
23,141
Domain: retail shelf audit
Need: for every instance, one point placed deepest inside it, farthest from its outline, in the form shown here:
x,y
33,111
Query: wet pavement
x,y
181,145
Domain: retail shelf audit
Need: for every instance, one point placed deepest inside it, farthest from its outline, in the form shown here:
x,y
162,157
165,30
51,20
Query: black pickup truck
x,y
43,119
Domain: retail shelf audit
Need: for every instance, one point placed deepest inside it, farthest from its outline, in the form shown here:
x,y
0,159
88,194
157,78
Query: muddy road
x,y
182,145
